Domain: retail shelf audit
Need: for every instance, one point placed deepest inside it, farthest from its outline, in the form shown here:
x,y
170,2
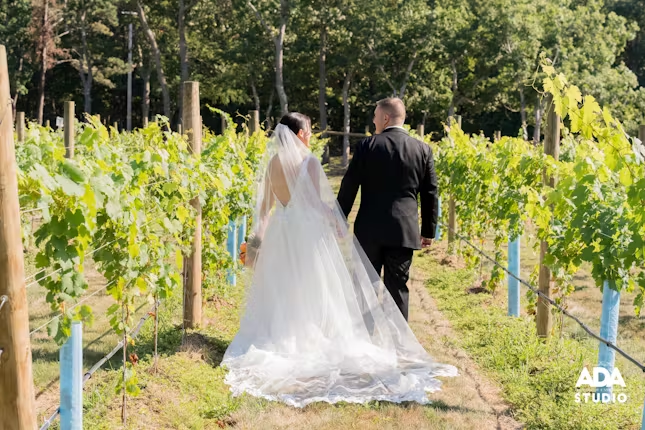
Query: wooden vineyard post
x,y
543,318
193,281
420,130
224,124
20,126
17,402
641,133
69,129
254,122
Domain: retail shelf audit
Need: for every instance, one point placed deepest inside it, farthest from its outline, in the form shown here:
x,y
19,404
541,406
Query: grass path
x,y
187,390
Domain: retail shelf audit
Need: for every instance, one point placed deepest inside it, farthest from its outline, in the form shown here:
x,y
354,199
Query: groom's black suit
x,y
392,168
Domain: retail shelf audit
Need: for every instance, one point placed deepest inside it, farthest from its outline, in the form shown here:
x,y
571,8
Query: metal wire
x,y
30,210
550,301
58,270
50,420
73,307
116,349
89,254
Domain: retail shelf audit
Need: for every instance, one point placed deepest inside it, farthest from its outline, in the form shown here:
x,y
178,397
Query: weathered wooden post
x,y
420,130
552,148
254,122
20,126
17,409
193,282
224,124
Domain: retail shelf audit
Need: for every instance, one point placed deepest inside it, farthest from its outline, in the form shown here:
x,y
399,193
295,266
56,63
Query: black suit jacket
x,y
392,169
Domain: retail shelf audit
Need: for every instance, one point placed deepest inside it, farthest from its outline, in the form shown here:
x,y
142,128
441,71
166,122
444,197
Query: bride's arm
x,y
268,200
314,169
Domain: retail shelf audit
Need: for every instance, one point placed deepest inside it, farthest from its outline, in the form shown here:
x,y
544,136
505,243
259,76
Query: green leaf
x,y
71,170
625,177
70,187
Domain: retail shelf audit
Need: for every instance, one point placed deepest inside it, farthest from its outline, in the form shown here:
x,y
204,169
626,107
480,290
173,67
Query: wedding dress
x,y
319,325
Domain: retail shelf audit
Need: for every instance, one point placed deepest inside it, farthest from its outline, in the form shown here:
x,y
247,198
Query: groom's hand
x,y
425,242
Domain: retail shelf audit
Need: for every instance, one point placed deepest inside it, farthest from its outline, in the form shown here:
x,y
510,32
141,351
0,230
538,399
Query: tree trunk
x,y
322,78
322,87
183,54
455,86
256,98
85,70
407,76
279,57
157,55
145,102
43,65
15,97
269,123
279,80
348,77
525,131
538,121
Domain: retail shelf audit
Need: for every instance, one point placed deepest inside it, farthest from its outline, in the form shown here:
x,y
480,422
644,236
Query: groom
x,y
393,169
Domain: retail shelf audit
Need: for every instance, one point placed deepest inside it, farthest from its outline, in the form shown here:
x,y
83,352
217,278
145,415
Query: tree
x,y
277,35
157,57
46,16
14,34
90,25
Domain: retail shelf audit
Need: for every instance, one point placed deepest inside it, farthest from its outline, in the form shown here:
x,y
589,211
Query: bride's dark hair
x,y
296,122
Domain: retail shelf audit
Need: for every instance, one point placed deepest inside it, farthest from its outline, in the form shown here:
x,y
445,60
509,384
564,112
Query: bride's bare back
x,y
277,186
278,182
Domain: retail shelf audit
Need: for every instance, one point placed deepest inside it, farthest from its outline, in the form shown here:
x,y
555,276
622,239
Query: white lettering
x,y
607,380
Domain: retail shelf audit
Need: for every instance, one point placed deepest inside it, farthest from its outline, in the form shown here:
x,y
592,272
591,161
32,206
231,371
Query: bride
x,y
319,324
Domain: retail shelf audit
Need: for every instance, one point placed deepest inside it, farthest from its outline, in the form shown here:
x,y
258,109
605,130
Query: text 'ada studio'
x,y
608,380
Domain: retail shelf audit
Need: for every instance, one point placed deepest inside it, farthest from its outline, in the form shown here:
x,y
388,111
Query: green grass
x,y
538,378
186,390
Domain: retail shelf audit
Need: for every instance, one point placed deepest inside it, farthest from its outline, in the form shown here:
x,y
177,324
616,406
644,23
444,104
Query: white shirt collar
x,y
394,126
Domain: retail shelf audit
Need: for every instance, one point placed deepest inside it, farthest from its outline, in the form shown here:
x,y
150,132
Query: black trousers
x,y
395,262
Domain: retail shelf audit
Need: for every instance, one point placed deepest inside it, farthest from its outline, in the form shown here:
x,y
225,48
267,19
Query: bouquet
x,y
249,250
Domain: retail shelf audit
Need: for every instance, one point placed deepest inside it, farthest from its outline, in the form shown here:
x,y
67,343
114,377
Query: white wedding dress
x,y
319,324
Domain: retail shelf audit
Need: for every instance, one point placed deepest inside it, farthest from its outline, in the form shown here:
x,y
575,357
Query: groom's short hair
x,y
394,107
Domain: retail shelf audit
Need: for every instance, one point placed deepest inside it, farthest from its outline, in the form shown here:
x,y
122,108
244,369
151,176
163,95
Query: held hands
x,y
425,242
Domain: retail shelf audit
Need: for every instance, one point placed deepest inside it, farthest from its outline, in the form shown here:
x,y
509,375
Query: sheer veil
x,y
319,324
